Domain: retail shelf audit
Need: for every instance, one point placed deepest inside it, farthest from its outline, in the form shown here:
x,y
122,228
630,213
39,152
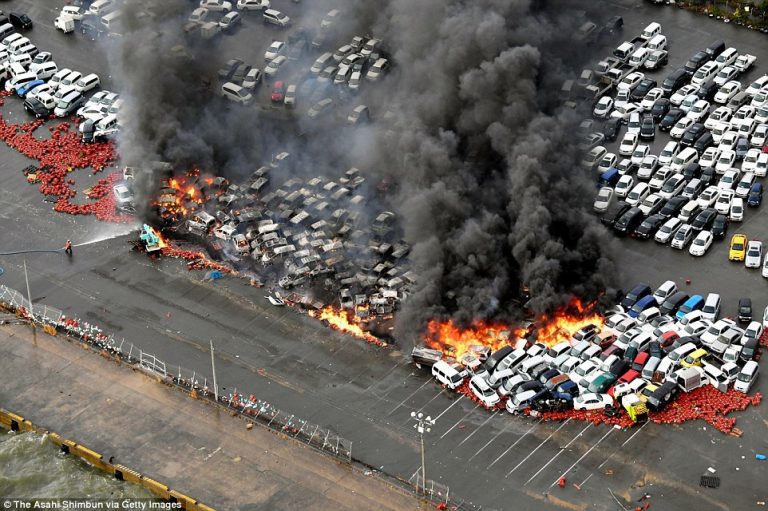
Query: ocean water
x,y
32,467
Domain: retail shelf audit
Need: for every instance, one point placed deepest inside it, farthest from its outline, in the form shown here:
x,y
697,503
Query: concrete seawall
x,y
180,448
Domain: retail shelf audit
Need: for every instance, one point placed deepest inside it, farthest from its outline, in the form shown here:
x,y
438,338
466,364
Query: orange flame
x,y
551,329
343,321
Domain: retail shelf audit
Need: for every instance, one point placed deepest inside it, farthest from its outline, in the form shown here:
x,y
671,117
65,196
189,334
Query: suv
x,y
236,93
274,17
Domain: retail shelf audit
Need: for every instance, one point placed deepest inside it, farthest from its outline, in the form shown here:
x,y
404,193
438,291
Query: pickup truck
x,y
639,42
744,62
604,65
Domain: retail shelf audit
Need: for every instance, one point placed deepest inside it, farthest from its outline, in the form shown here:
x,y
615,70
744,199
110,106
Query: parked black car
x,y
20,20
647,128
660,109
614,212
611,129
720,226
691,171
36,108
707,90
708,176
745,310
704,220
696,61
703,142
692,134
639,291
650,225
228,69
673,303
629,221
642,88
755,197
673,207
670,119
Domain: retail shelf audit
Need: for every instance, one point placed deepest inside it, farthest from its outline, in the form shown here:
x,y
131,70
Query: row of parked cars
x,y
706,175
655,344
35,76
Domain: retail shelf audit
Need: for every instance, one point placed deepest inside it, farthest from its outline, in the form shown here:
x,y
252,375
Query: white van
x,y
705,73
650,368
693,188
112,20
446,375
663,370
483,391
658,42
683,158
21,79
12,39
27,48
716,377
726,58
689,211
639,57
746,377
711,309
101,7
530,363
87,82
681,352
6,29
664,291
18,43
651,31
624,51
45,70
320,63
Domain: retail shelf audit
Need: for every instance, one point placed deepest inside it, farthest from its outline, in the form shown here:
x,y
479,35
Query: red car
x,y
668,338
278,92
640,361
628,376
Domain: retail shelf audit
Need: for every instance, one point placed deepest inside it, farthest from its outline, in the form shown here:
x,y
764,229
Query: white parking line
x,y
384,376
442,390
613,453
409,397
516,442
458,421
537,448
558,454
502,430
477,428
452,405
582,457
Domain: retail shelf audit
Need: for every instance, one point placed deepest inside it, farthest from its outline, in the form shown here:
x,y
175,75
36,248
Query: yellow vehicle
x,y
738,249
635,408
647,391
694,358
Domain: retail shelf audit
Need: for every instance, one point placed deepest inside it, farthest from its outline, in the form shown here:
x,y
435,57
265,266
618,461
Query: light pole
x,y
423,425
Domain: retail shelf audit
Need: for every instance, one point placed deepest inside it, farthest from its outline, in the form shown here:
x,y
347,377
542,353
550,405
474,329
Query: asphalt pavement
x,y
366,394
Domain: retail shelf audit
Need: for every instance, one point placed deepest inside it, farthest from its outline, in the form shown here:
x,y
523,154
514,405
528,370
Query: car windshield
x,y
699,242
745,309
743,377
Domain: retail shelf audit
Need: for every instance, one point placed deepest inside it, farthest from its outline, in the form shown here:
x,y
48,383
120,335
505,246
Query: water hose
x,y
57,251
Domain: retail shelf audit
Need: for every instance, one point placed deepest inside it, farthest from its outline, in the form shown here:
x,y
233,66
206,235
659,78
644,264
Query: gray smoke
x,y
468,131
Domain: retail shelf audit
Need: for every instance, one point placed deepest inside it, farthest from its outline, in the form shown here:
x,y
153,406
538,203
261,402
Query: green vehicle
x,y
602,383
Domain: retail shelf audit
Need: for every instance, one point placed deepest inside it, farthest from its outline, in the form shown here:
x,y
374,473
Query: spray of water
x,y
108,232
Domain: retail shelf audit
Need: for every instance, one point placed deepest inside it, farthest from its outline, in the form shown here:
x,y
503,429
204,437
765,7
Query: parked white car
x,y
701,244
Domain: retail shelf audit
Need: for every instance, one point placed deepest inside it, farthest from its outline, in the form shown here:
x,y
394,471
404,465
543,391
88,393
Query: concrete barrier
x,y
14,422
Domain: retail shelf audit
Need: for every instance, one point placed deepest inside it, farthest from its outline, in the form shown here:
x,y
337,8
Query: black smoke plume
x,y
468,128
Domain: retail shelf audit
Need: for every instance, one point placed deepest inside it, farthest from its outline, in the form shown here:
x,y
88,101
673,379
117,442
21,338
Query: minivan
x,y
652,30
69,104
496,357
112,20
530,363
636,293
658,42
483,391
705,73
444,373
716,48
649,369
727,58
674,81
101,7
5,30
673,302
87,82
45,70
696,302
746,377
711,309
624,51
629,221
320,63
692,189
642,305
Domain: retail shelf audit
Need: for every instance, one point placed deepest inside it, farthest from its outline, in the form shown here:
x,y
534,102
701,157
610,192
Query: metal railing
x,y
250,408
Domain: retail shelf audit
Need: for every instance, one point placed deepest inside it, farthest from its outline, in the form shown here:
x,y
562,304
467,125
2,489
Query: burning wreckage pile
x,y
301,233
578,364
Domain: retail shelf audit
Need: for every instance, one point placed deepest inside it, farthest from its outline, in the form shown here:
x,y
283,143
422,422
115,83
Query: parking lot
x,y
367,394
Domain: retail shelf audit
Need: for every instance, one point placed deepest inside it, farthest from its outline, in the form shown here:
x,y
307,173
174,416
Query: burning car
x,y
241,244
200,222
